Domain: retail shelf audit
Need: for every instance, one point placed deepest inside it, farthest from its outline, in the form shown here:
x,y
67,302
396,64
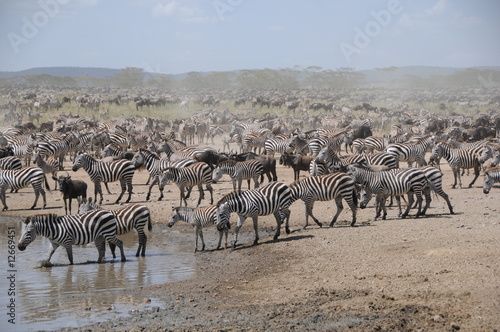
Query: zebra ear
x,y
27,220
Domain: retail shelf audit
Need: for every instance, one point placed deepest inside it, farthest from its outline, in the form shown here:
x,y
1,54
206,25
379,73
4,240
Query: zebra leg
x,y
3,189
142,242
69,252
340,207
123,185
101,248
184,197
279,220
202,193
256,181
286,216
44,198
155,181
37,195
119,243
476,174
418,193
112,247
428,199
352,205
107,188
411,199
54,246
129,189
456,175
200,234
309,212
98,190
241,220
211,191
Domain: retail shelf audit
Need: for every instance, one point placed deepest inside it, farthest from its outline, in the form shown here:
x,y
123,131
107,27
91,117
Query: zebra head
x,y
217,174
489,180
87,206
80,161
28,236
138,159
179,213
365,195
223,215
166,176
437,151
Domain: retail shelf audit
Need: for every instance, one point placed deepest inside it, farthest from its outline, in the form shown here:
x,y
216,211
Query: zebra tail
x,y
434,189
355,196
150,226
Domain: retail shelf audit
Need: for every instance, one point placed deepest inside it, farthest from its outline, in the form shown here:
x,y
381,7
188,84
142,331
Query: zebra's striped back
x,y
10,162
239,171
105,172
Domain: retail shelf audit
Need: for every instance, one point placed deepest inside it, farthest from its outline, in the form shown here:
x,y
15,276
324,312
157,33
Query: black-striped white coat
x,y
120,170
239,171
132,216
325,188
491,176
95,226
273,198
200,218
20,178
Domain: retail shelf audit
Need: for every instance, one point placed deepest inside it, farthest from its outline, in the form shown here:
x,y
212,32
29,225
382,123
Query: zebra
x,y
276,144
491,176
412,152
59,148
372,143
188,177
274,197
22,146
49,166
20,178
155,165
457,159
329,158
388,183
239,171
96,225
132,216
10,162
199,218
325,188
334,141
120,170
255,140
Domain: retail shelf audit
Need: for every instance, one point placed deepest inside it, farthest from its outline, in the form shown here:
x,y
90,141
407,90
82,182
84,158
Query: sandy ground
x,y
436,273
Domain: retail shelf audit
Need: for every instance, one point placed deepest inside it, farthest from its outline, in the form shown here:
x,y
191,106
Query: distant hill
x,y
63,72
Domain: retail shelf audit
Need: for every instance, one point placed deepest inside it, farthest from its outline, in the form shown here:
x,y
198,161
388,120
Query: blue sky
x,y
176,36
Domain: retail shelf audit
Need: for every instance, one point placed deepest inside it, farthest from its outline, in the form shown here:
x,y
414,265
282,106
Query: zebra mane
x,y
227,162
50,216
149,153
423,138
182,209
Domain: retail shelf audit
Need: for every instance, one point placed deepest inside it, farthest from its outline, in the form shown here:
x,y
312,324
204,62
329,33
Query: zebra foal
x,y
274,197
325,188
132,216
200,218
97,226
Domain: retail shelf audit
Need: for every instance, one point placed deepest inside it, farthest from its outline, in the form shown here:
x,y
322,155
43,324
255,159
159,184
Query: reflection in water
x,y
75,295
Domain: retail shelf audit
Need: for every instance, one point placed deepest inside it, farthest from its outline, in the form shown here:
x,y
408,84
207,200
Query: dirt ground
x,y
436,273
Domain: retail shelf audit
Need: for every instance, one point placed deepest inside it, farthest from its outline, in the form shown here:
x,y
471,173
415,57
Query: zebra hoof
x,y
287,230
5,208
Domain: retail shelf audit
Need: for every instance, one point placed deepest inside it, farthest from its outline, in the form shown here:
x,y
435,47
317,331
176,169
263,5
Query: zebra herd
x,y
373,170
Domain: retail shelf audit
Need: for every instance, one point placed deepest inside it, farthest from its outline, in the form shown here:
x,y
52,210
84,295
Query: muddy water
x,y
87,292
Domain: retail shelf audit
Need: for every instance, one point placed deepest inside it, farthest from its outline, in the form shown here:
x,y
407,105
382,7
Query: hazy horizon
x,y
176,36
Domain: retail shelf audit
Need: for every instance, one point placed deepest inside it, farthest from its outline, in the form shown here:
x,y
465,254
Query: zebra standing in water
x,y
412,152
325,188
187,177
97,225
199,218
239,171
20,178
132,216
457,159
491,176
274,197
120,170
388,183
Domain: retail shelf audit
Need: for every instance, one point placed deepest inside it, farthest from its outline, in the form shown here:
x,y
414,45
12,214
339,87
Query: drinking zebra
x,y
239,171
491,176
387,183
325,188
20,178
198,174
200,218
96,225
457,159
274,197
120,170
412,152
132,216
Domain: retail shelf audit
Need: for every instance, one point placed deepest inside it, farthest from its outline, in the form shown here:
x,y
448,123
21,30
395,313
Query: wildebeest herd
x,y
346,158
